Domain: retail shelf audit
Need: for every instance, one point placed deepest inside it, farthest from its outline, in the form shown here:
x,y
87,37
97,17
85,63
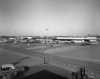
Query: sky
x,y
49,17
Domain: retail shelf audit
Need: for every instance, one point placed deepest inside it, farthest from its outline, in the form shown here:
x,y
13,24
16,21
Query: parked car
x,y
7,67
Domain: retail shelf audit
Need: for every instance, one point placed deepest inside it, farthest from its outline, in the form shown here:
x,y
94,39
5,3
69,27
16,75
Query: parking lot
x,y
59,56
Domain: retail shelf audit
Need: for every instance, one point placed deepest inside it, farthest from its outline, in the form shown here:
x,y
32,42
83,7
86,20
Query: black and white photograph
x,y
49,39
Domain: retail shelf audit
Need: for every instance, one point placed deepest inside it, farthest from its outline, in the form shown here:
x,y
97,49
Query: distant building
x,y
77,39
3,40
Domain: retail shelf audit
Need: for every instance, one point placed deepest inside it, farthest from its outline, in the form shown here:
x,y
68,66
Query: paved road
x,y
63,57
77,56
9,54
87,53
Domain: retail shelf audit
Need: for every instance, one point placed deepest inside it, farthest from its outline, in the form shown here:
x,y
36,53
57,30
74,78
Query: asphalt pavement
x,y
66,58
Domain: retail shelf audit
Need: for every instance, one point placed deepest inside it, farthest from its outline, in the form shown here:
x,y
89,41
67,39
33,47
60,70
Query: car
x,y
7,67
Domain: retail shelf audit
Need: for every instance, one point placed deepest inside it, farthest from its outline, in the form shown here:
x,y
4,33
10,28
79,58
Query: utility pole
x,y
46,36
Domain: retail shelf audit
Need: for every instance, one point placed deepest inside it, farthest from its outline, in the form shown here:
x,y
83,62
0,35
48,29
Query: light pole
x,y
46,35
